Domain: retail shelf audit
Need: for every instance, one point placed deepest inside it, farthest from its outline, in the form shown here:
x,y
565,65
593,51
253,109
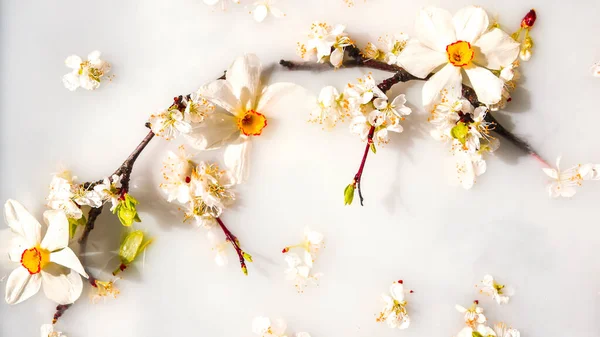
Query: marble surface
x,y
416,224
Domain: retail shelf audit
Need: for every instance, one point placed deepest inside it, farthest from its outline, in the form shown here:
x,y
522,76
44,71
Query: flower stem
x,y
60,310
235,243
358,175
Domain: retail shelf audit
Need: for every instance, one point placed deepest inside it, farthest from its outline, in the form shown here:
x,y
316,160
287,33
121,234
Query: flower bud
x,y
131,246
529,19
349,194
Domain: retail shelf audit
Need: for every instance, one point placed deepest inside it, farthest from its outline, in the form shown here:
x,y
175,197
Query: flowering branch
x,y
355,58
236,245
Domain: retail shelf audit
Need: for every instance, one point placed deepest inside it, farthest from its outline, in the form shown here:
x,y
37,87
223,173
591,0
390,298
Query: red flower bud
x,y
285,250
529,19
400,281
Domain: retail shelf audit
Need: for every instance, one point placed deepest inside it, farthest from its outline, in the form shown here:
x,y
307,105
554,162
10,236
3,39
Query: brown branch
x,y
60,310
358,175
235,243
357,59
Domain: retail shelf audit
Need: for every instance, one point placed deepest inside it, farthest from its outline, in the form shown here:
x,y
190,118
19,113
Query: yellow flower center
x,y
460,53
34,259
252,123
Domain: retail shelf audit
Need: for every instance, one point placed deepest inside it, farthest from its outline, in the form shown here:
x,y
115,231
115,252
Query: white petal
x,y
460,308
217,130
380,103
397,292
337,57
271,95
220,92
260,325
496,50
244,77
448,78
73,62
61,285
260,13
308,260
46,330
71,81
57,235
470,23
211,2
434,28
276,12
22,222
236,158
487,86
66,257
550,172
420,60
278,327
94,56
21,285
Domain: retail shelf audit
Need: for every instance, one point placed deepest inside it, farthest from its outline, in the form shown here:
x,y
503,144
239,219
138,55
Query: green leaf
x,y
349,194
373,148
73,223
460,132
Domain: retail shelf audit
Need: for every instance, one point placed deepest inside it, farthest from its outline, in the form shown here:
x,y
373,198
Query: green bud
x,y
247,257
126,210
476,334
245,270
460,132
349,194
132,245
373,148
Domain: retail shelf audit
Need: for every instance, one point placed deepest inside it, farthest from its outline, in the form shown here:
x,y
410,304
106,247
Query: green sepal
x,y
132,245
349,194
73,223
460,132
126,210
373,148
247,257
476,334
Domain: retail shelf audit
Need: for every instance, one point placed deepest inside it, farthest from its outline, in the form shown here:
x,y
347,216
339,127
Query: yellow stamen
x,y
460,53
252,123
35,259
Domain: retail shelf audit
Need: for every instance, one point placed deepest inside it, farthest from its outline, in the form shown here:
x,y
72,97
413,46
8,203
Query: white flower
x,y
47,330
329,108
596,69
263,327
468,167
197,108
388,48
299,270
394,313
245,102
492,288
322,39
482,330
169,123
214,2
263,8
465,46
474,315
85,74
446,114
109,189
364,91
177,176
48,261
210,190
86,197
387,117
525,54
502,330
564,182
61,195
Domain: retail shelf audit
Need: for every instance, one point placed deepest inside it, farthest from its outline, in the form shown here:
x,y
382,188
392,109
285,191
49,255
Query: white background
x,y
416,224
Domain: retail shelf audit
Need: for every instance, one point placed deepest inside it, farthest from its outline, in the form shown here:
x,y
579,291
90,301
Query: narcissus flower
x,y
263,8
394,313
325,42
85,74
246,104
47,262
492,288
464,47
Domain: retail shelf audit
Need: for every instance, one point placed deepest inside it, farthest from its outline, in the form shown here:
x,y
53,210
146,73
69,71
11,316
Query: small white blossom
x,y
322,40
299,269
481,330
85,74
177,176
223,6
263,8
197,108
109,189
387,117
394,312
61,195
364,91
47,330
492,288
387,48
502,330
169,123
329,109
474,315
264,327
564,181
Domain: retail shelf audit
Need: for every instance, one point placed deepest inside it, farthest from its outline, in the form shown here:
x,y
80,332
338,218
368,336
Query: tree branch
x,y
235,243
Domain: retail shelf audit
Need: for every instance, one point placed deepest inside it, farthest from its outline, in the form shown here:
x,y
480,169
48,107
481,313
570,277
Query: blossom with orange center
x,y
460,53
252,123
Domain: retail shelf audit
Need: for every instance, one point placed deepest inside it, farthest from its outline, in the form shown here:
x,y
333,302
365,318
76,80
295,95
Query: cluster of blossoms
x,y
526,41
498,291
477,324
325,44
387,48
299,268
394,312
86,74
564,182
181,116
264,327
261,9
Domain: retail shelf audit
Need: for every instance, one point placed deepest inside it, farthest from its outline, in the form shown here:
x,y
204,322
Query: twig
x,y
60,310
235,243
358,175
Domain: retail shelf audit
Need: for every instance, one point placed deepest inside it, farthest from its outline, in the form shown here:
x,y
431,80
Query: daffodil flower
x,y
47,262
246,104
464,47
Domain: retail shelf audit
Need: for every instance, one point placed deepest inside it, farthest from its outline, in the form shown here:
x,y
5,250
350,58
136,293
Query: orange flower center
x,y
34,259
252,123
460,53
